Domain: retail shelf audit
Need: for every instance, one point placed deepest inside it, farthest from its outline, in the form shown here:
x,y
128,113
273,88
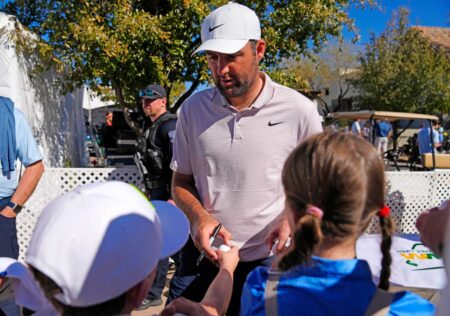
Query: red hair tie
x,y
385,211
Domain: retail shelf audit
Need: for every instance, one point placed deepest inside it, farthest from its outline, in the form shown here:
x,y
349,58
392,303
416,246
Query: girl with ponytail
x,y
334,186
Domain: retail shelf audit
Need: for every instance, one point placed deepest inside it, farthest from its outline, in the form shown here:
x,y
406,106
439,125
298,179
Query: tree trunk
x,y
185,95
123,105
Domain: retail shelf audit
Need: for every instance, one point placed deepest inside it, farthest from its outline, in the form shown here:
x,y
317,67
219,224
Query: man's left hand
x,y
8,212
280,232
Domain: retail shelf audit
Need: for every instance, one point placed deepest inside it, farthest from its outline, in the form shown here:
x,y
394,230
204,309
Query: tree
x,y
343,61
125,44
400,71
331,67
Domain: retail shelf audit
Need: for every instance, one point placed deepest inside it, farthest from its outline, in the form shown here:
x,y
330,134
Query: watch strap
x,y
15,207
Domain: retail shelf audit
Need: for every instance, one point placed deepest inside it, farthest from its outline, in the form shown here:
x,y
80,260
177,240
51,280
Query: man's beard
x,y
240,87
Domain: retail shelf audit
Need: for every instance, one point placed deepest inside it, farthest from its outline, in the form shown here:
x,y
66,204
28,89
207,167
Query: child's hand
x,y
228,260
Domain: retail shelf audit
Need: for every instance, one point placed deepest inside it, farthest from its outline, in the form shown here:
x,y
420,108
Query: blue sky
x,y
422,12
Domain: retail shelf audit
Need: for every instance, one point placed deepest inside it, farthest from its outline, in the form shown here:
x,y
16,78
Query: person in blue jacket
x,y
334,186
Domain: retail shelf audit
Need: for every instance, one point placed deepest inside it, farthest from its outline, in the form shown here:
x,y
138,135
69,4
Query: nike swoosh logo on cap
x,y
214,27
272,124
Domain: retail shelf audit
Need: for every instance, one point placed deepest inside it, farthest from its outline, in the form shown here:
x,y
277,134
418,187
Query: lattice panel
x,y
57,181
408,194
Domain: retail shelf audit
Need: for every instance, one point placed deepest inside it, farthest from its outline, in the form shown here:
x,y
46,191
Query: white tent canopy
x,y
92,101
57,121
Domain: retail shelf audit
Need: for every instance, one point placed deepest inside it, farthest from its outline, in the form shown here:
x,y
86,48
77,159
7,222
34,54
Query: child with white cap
x,y
94,251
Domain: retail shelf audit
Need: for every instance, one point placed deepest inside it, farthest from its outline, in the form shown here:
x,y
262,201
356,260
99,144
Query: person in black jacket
x,y
156,144
155,149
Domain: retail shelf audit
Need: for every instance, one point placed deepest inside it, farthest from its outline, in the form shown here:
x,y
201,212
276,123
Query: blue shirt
x,y
382,129
27,152
326,287
424,140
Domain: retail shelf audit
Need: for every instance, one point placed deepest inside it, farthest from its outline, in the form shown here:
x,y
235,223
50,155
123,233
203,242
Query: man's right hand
x,y
185,195
203,229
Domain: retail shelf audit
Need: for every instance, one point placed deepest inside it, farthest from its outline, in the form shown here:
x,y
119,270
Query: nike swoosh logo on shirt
x,y
214,27
272,124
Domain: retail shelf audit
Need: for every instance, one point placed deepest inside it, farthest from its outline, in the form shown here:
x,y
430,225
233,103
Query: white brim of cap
x,y
224,46
174,225
27,292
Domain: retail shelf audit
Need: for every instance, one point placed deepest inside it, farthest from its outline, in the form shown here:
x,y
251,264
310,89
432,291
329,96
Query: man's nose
x,y
222,66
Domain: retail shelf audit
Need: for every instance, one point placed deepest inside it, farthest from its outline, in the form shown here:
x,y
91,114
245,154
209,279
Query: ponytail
x,y
387,228
307,236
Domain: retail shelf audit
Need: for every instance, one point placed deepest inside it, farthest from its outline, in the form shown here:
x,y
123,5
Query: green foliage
x,y
289,75
400,71
127,44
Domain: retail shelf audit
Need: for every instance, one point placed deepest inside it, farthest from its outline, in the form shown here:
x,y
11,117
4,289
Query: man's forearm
x,y
186,197
28,183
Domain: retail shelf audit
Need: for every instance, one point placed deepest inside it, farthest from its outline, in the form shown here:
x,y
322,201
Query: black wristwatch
x,y
15,207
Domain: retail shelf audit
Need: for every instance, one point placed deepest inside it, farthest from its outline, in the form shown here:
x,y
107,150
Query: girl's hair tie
x,y
385,211
314,211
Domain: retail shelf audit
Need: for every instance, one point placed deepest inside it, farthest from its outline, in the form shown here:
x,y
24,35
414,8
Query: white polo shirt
x,y
236,158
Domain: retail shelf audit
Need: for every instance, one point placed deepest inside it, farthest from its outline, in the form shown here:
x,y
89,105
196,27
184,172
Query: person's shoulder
x,y
18,114
290,94
169,117
21,120
293,101
407,303
169,122
200,96
196,103
422,131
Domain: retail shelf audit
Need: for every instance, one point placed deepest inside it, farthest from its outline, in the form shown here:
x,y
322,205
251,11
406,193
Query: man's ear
x,y
260,49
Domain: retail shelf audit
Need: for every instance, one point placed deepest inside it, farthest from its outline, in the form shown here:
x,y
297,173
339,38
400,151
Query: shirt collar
x,y
265,96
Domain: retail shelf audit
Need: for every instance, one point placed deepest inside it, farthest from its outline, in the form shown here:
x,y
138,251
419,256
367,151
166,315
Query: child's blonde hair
x,y
343,176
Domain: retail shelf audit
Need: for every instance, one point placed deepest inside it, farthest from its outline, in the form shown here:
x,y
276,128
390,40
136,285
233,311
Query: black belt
x,y
5,198
159,183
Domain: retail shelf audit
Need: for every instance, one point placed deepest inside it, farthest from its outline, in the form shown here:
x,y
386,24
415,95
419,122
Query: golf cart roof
x,y
390,116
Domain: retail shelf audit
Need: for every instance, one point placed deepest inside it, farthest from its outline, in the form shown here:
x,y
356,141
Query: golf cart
x,y
392,155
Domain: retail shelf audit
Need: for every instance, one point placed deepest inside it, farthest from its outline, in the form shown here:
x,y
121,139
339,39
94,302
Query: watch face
x,y
17,208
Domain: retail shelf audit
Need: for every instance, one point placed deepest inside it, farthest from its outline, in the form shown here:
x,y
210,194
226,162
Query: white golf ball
x,y
224,248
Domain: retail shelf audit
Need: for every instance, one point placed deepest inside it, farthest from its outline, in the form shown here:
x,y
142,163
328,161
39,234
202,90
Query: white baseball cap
x,y
228,28
101,239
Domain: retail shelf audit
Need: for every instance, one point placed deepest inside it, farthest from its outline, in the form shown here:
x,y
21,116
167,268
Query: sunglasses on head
x,y
148,93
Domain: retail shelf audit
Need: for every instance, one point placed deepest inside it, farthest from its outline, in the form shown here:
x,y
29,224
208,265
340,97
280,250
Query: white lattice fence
x,y
408,193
